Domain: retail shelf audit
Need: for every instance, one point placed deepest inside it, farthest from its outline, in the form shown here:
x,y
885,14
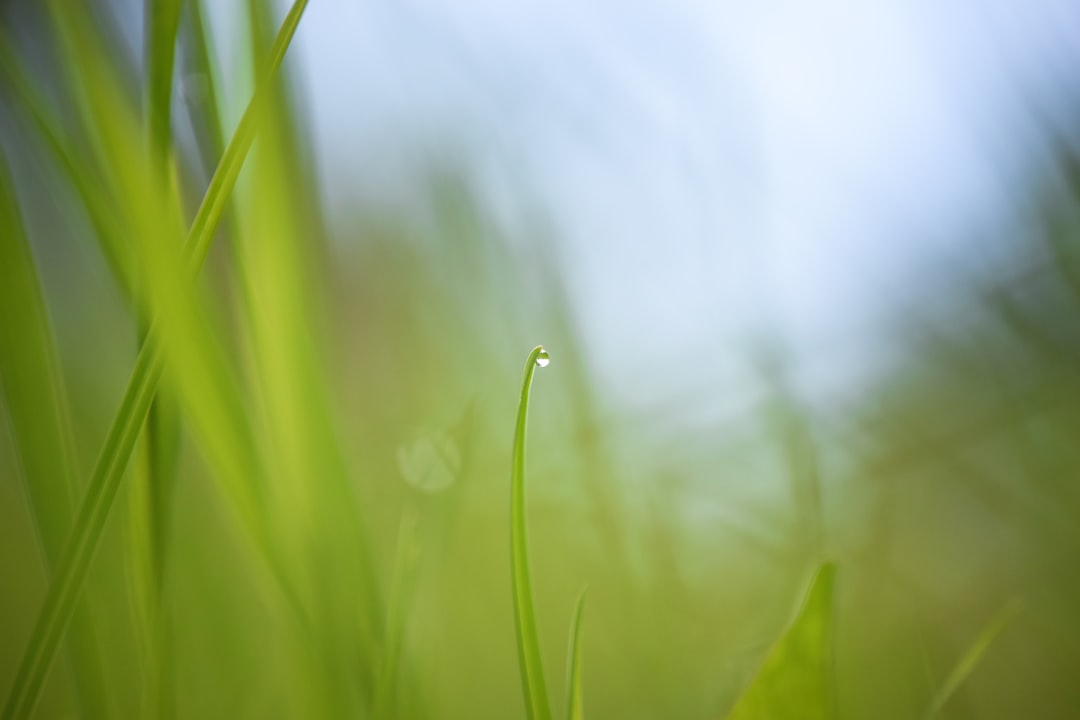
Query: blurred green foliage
x,y
315,520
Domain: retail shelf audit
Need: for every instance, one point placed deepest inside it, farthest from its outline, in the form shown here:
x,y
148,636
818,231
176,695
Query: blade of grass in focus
x,y
970,660
795,680
528,639
575,699
105,480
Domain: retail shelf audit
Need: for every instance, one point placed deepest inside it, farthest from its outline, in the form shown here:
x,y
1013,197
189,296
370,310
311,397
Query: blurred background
x,y
809,275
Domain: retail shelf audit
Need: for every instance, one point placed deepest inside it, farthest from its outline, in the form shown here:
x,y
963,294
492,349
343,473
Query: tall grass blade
x,y
796,679
152,488
120,441
162,22
99,205
406,561
528,640
970,660
575,699
205,115
35,398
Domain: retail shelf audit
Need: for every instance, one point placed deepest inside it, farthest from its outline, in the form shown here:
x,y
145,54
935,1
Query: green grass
x,y
970,659
797,678
575,694
108,471
311,412
533,685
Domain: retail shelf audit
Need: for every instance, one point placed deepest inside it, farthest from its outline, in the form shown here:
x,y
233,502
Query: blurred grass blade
x,y
162,22
31,382
205,114
33,392
575,699
105,480
406,562
795,681
284,310
152,487
99,206
971,659
528,640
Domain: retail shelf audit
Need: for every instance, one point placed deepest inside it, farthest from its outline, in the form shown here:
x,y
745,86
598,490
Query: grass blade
x,y
152,487
971,658
406,561
795,680
36,402
79,172
575,700
105,480
162,22
528,641
283,308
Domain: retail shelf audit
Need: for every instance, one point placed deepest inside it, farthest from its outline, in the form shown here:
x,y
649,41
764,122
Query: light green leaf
x,y
796,679
575,699
70,575
971,658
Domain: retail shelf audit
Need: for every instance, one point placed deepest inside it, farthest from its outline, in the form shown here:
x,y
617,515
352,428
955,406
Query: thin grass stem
x,y
528,641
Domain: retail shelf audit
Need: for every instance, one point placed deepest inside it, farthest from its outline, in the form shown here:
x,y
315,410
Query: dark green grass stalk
x,y
162,23
528,640
105,480
970,659
152,488
575,698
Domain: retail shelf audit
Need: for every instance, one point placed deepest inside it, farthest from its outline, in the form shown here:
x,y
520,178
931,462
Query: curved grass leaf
x,y
575,699
120,441
796,679
528,641
971,659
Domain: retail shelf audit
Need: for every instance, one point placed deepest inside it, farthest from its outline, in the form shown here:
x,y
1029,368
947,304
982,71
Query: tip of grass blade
x,y
795,680
975,653
575,700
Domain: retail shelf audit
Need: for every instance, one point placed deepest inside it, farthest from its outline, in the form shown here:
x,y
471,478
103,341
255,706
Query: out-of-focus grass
x,y
328,534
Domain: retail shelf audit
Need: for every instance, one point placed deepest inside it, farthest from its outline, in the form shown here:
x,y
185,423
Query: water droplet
x,y
543,359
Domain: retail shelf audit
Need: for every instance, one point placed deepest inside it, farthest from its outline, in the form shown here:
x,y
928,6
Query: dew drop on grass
x,y
543,359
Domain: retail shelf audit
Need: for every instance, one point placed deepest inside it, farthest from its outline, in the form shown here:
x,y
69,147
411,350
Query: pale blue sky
x,y
714,168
